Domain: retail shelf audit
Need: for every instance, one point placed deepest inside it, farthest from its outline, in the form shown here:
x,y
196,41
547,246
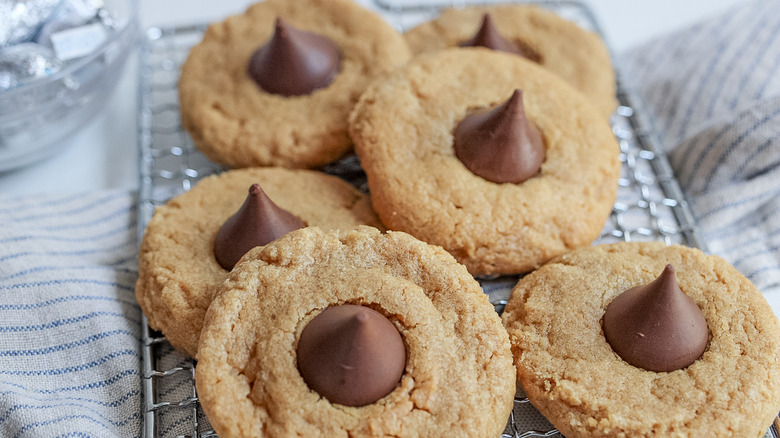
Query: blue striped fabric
x,y
70,328
714,92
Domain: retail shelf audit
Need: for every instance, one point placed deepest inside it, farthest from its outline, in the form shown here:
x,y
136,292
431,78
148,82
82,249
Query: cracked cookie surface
x,y
402,128
575,379
577,55
459,378
236,123
177,268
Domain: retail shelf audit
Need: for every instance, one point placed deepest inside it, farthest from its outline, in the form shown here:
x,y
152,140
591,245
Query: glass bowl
x,y
37,116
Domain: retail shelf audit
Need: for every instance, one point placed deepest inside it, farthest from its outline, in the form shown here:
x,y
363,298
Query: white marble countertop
x,y
104,154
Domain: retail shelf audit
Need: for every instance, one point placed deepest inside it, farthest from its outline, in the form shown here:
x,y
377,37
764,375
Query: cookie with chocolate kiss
x,y
353,333
575,54
646,339
503,179
274,86
194,240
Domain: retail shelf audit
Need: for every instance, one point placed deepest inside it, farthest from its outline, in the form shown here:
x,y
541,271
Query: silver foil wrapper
x,y
69,14
23,62
57,24
20,20
73,14
83,9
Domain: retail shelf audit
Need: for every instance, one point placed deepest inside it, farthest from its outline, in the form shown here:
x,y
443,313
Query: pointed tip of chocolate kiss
x,y
667,281
514,104
280,25
656,326
351,355
488,36
257,222
257,191
500,144
294,62
668,273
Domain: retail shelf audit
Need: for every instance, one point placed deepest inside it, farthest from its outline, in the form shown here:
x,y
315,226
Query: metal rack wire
x,y
650,206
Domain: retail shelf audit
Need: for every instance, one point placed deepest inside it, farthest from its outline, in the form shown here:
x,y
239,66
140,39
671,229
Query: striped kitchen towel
x,y
70,328
713,91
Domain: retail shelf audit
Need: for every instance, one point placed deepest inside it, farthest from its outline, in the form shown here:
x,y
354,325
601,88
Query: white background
x,y
104,153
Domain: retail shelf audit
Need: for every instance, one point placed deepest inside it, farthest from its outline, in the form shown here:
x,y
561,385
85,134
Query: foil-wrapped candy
x,y
57,24
20,20
84,9
79,27
70,14
26,61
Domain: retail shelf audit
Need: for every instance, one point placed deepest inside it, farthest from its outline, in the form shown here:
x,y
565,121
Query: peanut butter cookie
x,y
178,270
573,375
237,122
403,132
458,378
577,55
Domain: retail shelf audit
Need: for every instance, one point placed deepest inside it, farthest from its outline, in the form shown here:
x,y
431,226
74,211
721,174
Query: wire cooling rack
x,y
650,205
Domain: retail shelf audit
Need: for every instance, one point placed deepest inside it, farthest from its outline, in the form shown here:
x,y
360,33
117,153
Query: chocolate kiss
x,y
488,36
656,326
351,355
258,222
500,144
294,62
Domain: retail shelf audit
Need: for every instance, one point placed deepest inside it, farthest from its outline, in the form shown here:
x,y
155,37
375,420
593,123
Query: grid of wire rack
x,y
650,205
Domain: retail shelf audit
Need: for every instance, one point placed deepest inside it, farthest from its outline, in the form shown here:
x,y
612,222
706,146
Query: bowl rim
x,y
130,25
